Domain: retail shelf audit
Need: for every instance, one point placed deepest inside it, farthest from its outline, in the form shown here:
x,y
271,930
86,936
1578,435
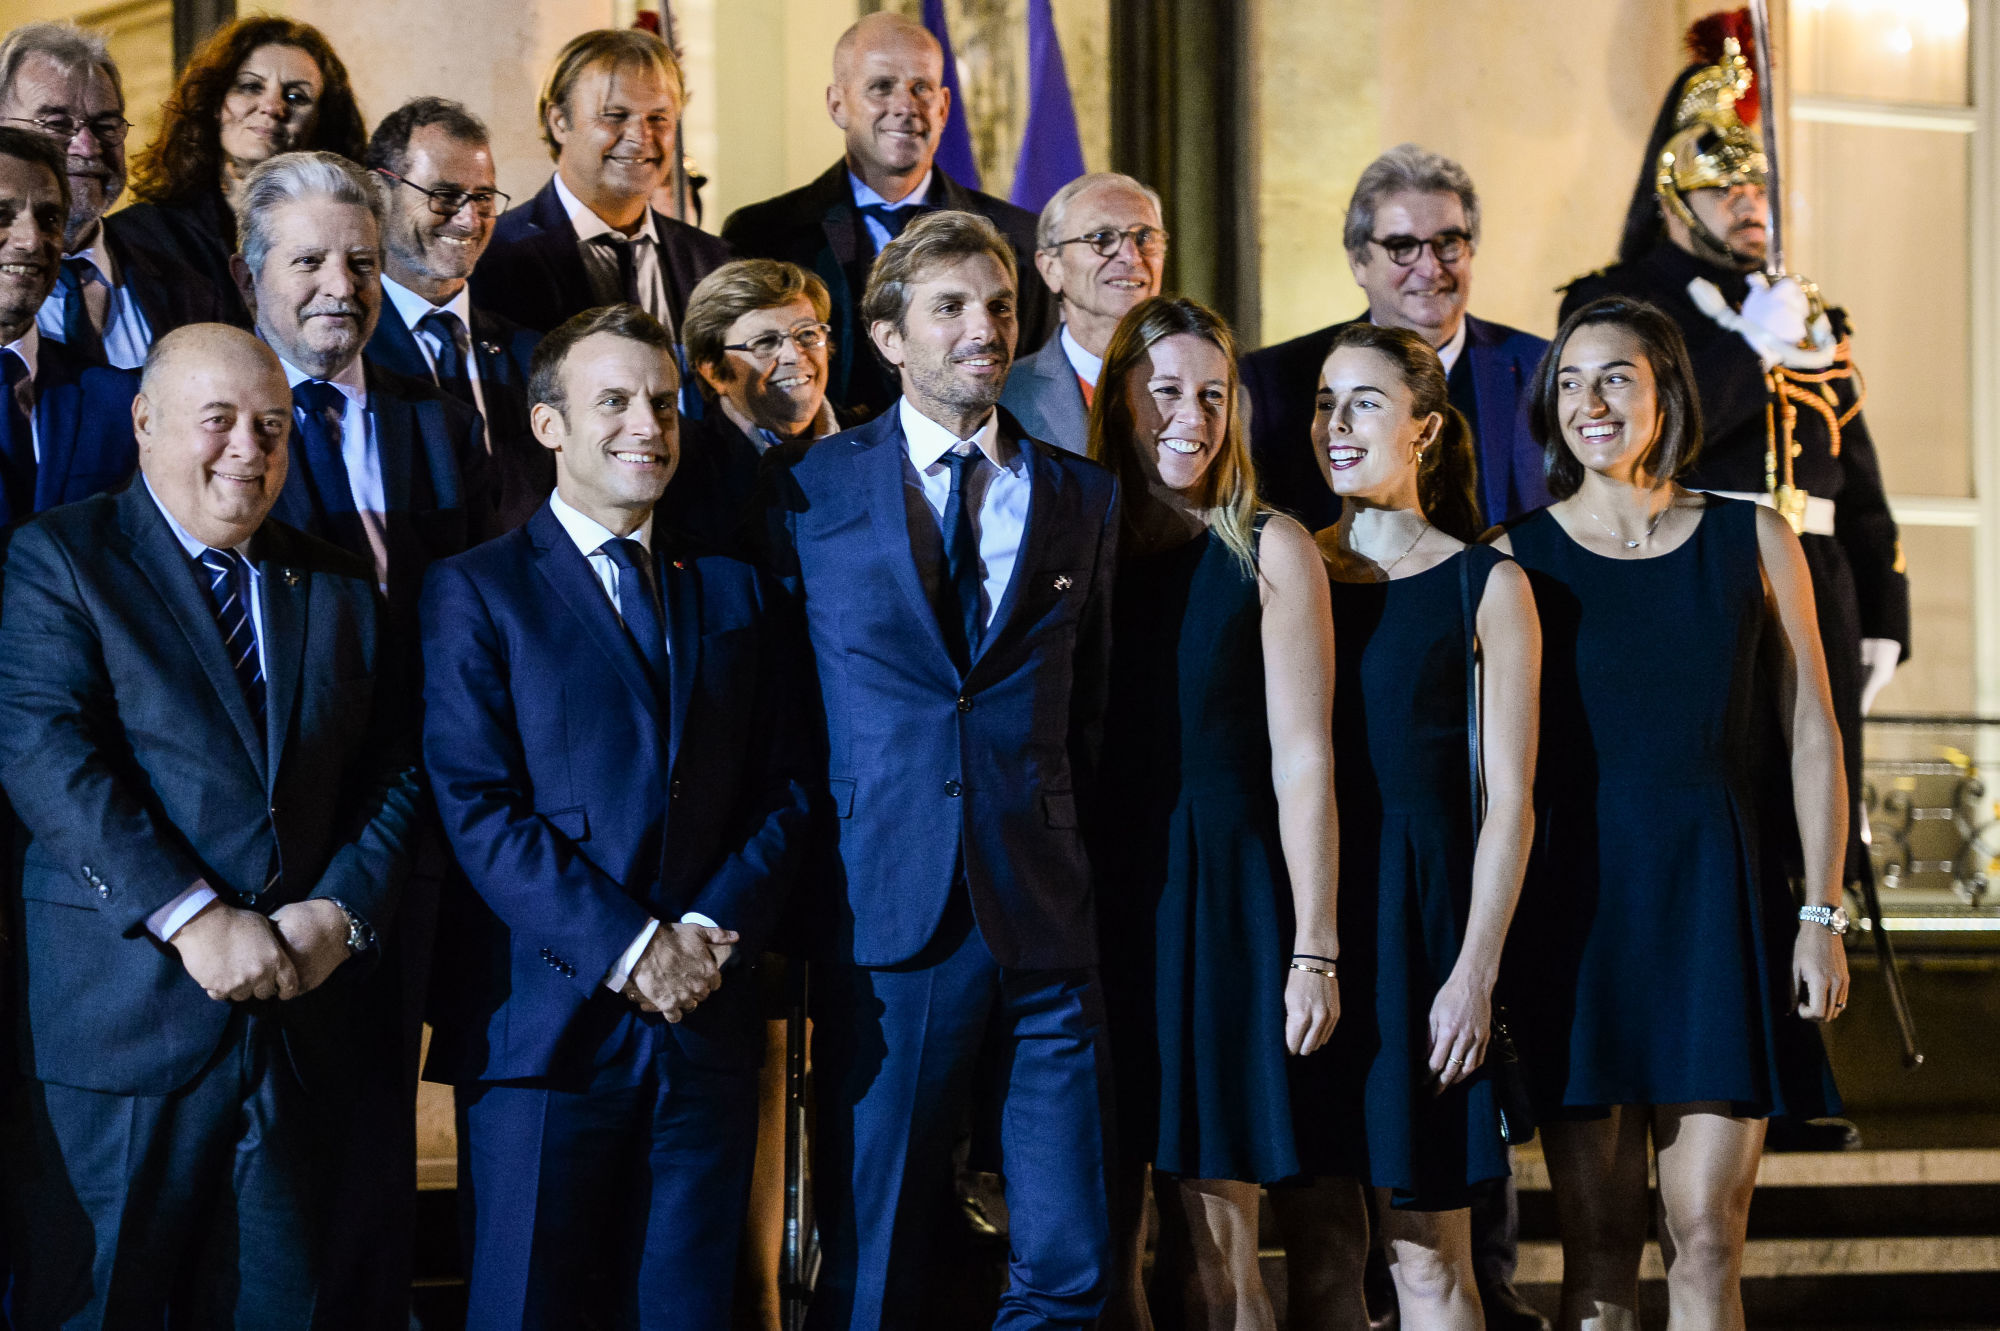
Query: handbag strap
x,y
1471,684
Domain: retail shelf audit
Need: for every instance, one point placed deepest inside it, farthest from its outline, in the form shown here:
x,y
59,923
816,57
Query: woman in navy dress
x,y
1665,980
1217,861
1399,1099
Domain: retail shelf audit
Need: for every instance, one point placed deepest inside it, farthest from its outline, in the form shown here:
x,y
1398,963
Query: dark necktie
x,y
636,606
322,407
229,589
451,353
626,251
958,613
80,333
17,442
894,219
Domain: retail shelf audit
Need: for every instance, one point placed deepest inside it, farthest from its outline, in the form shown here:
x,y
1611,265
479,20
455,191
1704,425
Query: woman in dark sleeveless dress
x,y
1399,1099
1664,979
1217,860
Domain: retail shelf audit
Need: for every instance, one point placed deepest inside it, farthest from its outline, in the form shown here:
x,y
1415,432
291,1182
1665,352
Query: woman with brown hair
x,y
256,88
1217,856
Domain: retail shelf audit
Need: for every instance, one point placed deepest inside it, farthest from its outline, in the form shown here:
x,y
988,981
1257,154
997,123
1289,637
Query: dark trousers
x,y
130,1210
618,1203
897,1054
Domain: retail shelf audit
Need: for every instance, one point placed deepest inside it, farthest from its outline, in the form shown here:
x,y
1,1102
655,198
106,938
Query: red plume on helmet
x,y
1704,43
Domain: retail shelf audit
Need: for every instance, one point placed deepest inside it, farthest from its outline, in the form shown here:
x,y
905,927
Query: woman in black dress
x,y
1665,979
1399,1098
256,88
1217,854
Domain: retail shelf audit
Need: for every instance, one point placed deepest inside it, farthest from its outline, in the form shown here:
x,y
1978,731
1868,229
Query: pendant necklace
x,y
1422,532
1651,527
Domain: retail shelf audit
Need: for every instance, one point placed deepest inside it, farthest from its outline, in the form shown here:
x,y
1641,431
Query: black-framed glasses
x,y
447,202
1449,247
766,346
1105,242
108,129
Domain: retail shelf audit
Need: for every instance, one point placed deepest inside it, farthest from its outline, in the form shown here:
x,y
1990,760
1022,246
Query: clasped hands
x,y
681,966
237,954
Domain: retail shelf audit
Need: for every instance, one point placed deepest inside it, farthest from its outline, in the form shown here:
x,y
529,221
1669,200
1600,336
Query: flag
x,y
954,152
1051,150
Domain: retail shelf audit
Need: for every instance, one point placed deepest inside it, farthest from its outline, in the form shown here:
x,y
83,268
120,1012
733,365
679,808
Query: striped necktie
x,y
228,588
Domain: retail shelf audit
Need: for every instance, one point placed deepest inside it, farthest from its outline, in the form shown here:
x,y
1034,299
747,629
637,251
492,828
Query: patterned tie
x,y
636,606
80,332
893,220
17,441
451,353
228,587
958,610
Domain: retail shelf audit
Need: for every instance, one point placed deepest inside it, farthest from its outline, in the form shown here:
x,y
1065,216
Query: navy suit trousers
x,y
899,1054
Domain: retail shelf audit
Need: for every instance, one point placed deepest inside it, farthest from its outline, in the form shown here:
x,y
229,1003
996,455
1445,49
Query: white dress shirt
x,y
997,496
1087,366
28,346
119,321
165,922
590,536
1448,353
865,196
411,308
602,264
360,452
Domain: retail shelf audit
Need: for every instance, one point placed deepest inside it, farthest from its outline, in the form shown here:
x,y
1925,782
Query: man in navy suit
x,y
609,735
1412,229
216,801
65,424
437,221
956,581
590,237
889,101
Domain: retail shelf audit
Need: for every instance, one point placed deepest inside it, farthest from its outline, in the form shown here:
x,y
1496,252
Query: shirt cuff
x,y
165,922
621,970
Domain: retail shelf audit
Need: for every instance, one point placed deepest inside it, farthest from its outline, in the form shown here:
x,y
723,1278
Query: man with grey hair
x,y
110,300
1100,248
1411,232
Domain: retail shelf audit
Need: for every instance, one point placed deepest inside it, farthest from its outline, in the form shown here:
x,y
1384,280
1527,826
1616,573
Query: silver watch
x,y
1830,917
361,935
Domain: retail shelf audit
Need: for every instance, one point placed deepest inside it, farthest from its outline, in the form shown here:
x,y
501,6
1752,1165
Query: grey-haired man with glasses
x,y
1100,248
111,301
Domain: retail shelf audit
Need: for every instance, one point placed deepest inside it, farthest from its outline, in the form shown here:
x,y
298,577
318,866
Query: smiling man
x,y
590,237
1411,233
889,101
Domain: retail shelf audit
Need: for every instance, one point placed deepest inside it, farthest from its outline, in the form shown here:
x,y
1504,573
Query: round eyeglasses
x,y
1448,246
1150,241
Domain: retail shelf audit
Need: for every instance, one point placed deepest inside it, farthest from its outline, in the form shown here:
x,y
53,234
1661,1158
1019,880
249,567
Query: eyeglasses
x,y
109,129
1150,241
447,202
766,346
1449,246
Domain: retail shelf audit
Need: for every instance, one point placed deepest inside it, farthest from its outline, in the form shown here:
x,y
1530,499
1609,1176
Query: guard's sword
x,y
1767,124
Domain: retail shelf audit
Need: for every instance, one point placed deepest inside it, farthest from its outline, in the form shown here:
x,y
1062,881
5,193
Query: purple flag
x,y
954,152
1051,151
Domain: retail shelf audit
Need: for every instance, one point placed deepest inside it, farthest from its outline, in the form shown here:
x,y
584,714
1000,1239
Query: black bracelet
x,y
1309,956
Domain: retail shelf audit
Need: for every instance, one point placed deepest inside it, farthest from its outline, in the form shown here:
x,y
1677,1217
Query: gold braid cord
x,y
1788,389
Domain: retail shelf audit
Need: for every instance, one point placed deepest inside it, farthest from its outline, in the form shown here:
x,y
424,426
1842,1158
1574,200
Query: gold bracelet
x,y
1327,971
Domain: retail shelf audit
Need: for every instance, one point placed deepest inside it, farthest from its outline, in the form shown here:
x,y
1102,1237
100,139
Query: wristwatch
x,y
1831,917
361,935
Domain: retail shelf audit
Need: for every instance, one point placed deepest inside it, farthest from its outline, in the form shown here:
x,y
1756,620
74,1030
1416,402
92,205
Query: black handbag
x,y
1503,1059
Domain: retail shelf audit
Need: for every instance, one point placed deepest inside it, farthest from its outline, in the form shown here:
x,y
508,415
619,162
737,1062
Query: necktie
x,y
321,409
80,332
894,220
959,614
451,353
626,251
636,606
229,588
17,441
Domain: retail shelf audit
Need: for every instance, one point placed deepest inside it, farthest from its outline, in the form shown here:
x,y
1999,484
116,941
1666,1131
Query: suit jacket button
x,y
965,704
104,892
673,790
88,875
952,788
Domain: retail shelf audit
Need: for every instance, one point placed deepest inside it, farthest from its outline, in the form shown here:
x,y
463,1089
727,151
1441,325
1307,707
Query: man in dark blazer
x,y
1410,210
434,153
590,236
111,299
215,802
956,578
889,100
65,424
610,735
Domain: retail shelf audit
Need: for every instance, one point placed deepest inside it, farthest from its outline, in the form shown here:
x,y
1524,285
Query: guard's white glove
x,y
1778,308
1773,320
1879,657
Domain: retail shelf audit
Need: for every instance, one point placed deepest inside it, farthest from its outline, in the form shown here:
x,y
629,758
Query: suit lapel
x,y
889,516
395,445
569,572
286,590
1496,388
1042,477
58,422
557,244
395,347
680,594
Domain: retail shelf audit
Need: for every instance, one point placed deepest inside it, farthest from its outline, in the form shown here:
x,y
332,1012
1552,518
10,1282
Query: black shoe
x,y
1506,1310
1819,1134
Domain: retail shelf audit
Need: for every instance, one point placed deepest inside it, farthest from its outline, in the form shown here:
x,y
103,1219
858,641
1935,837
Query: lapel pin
x,y
490,348
291,577
679,565
1062,582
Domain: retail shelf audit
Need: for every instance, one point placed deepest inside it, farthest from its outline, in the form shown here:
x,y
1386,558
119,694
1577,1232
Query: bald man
x,y
889,100
215,811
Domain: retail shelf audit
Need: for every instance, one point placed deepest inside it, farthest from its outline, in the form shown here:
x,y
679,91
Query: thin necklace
x,y
1422,532
1651,527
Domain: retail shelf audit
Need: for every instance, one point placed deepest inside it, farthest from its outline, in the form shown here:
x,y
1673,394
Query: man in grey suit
x,y
1100,248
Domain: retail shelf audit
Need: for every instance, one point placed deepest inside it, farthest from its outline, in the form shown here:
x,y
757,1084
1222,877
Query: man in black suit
x,y
437,221
215,803
590,236
110,300
889,99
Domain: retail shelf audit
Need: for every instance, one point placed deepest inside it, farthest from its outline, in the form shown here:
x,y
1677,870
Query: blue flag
x,y
1051,150
954,152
